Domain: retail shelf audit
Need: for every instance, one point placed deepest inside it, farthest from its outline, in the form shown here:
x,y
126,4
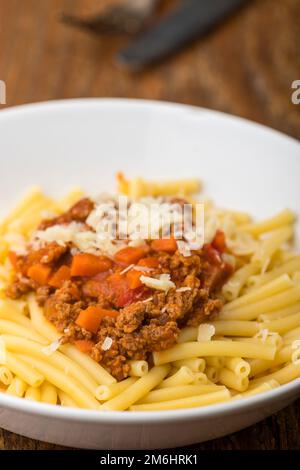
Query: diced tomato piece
x,y
60,276
39,273
85,264
149,262
219,241
90,318
84,345
133,279
129,255
168,245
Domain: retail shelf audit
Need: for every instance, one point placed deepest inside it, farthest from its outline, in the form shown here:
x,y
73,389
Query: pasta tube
x,y
48,393
188,402
182,391
139,389
17,387
214,348
33,394
231,380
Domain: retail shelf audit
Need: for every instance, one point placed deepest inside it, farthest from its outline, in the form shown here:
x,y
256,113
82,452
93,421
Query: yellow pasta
x,y
264,387
182,391
238,366
282,376
234,285
6,377
213,374
217,362
276,286
48,393
287,268
183,376
291,335
138,187
9,311
188,402
66,400
55,358
136,391
232,380
235,328
106,392
200,378
195,364
24,371
26,202
12,328
270,245
281,313
17,387
282,325
259,366
214,348
252,311
33,394
285,217
138,368
70,386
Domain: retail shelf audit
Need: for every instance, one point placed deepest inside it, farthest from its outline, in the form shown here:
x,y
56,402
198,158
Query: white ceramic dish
x,y
244,166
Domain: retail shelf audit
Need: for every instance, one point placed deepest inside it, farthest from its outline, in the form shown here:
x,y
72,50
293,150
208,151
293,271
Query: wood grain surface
x,y
245,67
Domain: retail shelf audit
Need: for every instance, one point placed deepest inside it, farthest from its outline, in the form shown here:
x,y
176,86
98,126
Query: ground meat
x,y
131,318
63,307
78,213
181,266
42,294
147,320
20,286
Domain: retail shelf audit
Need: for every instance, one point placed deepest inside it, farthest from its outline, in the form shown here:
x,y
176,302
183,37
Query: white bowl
x,y
244,166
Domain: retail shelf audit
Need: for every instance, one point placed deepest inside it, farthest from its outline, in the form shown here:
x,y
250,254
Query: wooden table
x,y
246,68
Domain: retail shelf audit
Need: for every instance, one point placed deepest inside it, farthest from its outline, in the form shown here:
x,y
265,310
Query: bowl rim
x,y
159,105
217,410
289,390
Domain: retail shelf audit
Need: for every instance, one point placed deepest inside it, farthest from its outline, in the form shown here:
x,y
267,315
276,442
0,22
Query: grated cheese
x,y
107,344
147,300
296,344
48,350
127,269
163,283
183,289
183,248
206,332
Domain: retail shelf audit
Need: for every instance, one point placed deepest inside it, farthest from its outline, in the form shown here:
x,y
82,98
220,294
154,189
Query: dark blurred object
x,y
188,21
128,17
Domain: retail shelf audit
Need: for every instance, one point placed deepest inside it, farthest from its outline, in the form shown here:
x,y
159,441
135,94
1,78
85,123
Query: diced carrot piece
x,y
219,241
84,345
13,258
164,244
133,279
39,273
85,264
90,318
60,276
129,255
150,262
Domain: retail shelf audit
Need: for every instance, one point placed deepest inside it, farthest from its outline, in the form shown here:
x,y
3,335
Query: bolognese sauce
x,y
121,306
